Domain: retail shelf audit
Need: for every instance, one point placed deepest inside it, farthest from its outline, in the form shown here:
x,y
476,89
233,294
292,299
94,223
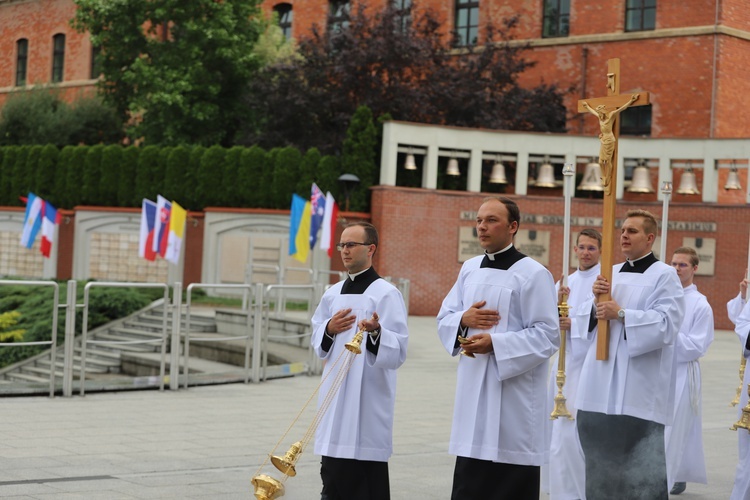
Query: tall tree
x,y
175,68
407,69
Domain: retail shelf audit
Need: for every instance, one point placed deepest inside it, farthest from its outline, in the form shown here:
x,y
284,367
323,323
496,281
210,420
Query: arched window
x,y
58,57
467,22
22,58
284,13
338,20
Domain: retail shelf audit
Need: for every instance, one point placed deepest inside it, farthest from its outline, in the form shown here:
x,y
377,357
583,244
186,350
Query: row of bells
x,y
591,180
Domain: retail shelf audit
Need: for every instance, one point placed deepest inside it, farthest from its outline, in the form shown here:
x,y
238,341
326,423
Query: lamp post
x,y
349,183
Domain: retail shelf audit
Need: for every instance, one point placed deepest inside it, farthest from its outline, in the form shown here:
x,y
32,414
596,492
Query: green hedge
x,y
195,177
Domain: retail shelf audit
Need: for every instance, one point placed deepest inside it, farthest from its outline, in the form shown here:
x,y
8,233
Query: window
x,y
467,22
96,67
58,57
636,121
403,14
284,13
556,18
339,17
22,57
640,15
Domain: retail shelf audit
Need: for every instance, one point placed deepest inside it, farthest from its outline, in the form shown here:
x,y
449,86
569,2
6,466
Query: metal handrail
x,y
53,341
246,288
84,334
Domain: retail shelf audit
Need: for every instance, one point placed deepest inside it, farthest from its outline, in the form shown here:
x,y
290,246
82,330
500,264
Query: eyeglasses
x,y
350,245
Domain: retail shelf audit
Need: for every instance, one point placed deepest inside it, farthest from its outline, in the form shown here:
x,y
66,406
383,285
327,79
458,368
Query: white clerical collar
x,y
352,276
591,270
492,256
632,262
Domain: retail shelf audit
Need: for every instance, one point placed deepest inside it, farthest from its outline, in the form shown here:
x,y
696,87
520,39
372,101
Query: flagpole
x,y
666,189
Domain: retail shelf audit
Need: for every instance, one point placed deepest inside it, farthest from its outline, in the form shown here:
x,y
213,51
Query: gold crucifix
x,y
607,109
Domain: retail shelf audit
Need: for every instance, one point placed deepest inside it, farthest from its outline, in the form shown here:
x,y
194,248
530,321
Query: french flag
x,y
148,225
50,219
161,227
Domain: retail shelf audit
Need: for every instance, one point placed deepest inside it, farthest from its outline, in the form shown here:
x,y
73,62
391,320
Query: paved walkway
x,y
207,442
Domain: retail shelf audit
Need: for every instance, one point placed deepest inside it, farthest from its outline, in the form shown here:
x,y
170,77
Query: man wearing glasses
x,y
502,312
355,437
684,438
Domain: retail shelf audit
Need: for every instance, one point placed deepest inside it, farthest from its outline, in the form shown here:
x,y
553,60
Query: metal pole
x,y
70,338
174,355
666,189
257,331
568,173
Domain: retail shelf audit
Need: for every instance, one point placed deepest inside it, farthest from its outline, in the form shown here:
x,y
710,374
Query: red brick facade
x,y
419,239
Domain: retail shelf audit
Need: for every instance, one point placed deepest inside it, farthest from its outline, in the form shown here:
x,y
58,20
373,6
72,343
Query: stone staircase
x,y
133,362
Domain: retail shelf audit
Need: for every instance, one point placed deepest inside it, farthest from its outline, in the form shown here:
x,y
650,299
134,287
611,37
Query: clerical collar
x,y
638,265
364,280
503,259
595,269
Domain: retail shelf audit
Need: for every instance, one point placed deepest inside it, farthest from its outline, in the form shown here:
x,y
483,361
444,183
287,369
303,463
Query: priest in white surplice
x,y
567,469
503,303
355,435
739,313
684,438
625,402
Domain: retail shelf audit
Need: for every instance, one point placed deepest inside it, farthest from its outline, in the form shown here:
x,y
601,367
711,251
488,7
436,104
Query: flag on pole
x,y
302,239
50,219
161,228
295,217
176,233
317,210
330,217
32,221
148,224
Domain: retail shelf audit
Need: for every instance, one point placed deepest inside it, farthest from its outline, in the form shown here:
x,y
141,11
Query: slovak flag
x,y
148,224
317,212
50,218
329,224
32,221
161,227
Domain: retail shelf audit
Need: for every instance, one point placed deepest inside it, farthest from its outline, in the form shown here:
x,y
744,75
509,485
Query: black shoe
x,y
678,488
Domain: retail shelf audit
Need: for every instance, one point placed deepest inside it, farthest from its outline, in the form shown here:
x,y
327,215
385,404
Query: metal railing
x,y
84,334
53,341
247,289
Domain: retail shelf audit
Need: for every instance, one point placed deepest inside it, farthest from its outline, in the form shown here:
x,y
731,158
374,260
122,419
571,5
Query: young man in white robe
x,y
566,472
625,402
355,434
684,438
739,314
504,309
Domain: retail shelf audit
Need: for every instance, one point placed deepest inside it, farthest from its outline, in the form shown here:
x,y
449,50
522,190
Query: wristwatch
x,y
621,314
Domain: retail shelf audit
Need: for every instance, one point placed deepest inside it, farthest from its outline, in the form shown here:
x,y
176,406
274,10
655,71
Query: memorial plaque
x,y
535,244
468,244
706,249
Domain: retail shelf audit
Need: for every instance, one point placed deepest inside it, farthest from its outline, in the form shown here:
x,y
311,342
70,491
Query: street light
x,y
349,183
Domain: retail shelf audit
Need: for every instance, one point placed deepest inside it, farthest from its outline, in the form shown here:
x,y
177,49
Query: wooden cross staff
x,y
606,110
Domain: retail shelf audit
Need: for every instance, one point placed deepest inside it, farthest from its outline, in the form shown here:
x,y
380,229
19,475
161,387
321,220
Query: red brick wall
x,y
419,239
732,93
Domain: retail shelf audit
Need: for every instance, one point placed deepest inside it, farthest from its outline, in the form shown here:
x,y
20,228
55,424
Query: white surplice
x,y
500,402
566,471
637,379
741,489
684,438
359,422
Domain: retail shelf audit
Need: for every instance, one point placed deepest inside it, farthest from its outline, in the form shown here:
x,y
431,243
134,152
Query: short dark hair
x,y
371,234
591,233
694,259
514,213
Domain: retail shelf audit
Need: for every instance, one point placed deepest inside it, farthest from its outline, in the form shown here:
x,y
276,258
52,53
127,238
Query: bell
x,y
498,174
592,178
687,183
453,167
641,180
546,176
733,180
410,163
